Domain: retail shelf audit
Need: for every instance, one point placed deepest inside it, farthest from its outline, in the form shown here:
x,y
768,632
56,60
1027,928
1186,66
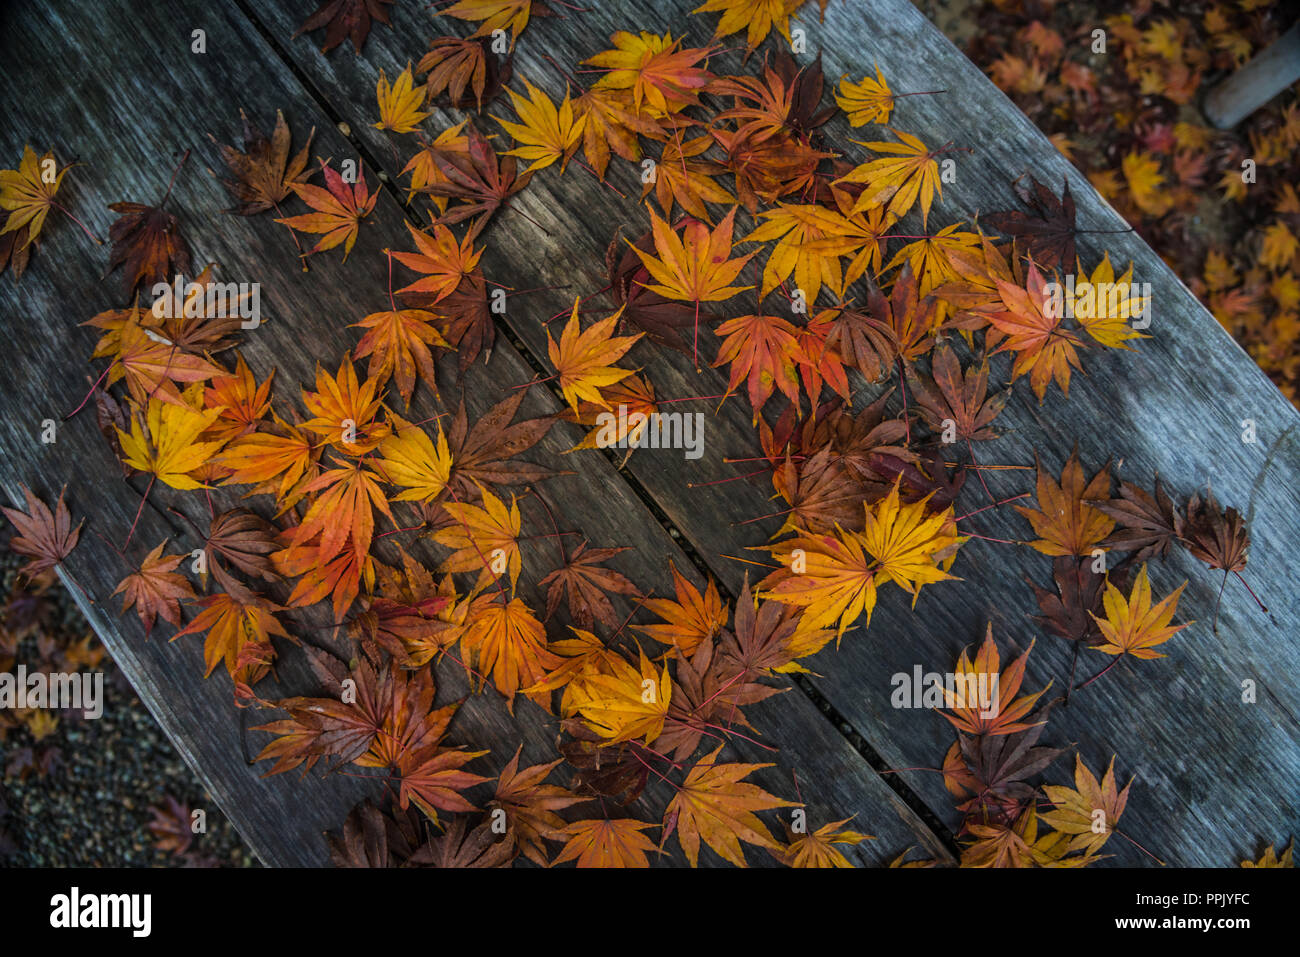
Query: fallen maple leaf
x,y
399,103
264,173
340,209
156,590
716,804
695,267
547,133
611,842
345,18
1134,625
1063,523
43,536
583,358
28,194
1090,810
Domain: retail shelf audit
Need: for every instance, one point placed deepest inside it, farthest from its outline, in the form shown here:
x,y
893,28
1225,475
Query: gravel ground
x,y
92,808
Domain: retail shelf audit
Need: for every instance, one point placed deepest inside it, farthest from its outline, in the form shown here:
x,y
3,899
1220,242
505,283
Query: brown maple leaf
x,y
147,240
530,805
345,18
585,583
486,453
477,177
1064,524
43,536
1143,523
461,66
1047,230
245,540
264,173
957,398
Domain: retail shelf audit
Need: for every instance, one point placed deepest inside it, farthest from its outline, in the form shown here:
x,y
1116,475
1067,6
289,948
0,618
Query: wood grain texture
x,y
1215,777
128,123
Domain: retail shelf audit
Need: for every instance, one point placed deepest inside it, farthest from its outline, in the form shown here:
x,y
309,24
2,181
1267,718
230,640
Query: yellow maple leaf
x,y
866,101
1142,171
409,458
547,133
1278,247
399,103
835,577
1134,626
168,446
28,192
621,701
583,358
755,17
486,539
1103,305
907,174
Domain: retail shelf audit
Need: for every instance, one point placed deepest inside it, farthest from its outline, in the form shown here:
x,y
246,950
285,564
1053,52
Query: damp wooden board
x,y
1216,777
141,100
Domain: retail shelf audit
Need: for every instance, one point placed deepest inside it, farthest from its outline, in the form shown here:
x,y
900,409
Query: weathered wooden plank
x,y
1176,404
281,817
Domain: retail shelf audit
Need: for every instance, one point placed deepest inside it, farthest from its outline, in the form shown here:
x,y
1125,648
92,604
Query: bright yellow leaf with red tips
x,y
399,103
583,358
486,539
409,458
1134,625
695,267
28,192
811,241
621,701
547,133
168,445
660,75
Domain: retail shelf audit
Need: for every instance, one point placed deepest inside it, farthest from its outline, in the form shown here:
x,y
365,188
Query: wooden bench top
x,y
121,92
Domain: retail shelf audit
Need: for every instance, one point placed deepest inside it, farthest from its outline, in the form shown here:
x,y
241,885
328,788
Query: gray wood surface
x,y
1216,778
